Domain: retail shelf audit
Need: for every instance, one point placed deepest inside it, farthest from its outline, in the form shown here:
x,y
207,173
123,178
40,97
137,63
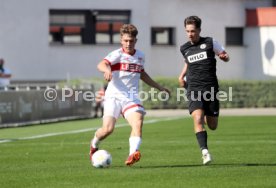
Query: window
x,y
66,26
108,25
162,36
86,27
234,36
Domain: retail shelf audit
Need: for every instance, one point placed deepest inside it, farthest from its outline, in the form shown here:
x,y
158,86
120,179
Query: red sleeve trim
x,y
107,61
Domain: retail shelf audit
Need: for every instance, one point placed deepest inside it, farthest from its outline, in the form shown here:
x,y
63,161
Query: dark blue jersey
x,y
201,61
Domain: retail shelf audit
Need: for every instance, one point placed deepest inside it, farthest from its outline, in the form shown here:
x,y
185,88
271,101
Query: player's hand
x,y
224,56
181,82
108,75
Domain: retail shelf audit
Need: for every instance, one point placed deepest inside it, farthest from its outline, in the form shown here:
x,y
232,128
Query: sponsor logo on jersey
x,y
197,57
130,67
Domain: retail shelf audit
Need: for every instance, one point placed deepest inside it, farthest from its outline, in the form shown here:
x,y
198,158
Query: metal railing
x,y
26,104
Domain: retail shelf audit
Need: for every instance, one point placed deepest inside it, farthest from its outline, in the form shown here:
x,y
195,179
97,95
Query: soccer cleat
x,y
206,158
92,151
133,158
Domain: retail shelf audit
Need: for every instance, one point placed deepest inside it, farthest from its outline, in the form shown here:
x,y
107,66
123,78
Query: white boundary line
x,y
84,130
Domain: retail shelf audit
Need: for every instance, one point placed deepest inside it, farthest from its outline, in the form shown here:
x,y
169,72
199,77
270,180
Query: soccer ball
x,y
101,159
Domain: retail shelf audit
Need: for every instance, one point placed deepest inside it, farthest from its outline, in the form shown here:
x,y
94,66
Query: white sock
x,y
204,151
95,142
134,144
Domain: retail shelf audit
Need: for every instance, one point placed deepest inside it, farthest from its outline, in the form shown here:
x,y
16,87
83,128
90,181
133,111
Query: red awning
x,y
265,16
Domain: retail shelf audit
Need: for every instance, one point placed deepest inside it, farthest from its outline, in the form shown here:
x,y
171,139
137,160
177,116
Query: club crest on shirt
x,y
202,46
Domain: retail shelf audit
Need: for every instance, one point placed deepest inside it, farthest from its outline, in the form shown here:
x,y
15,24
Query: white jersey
x,y
126,70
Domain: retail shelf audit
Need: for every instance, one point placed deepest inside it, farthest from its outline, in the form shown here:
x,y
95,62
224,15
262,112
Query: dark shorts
x,y
206,102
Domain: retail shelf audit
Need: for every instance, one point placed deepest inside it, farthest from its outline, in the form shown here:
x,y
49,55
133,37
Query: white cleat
x,y
206,158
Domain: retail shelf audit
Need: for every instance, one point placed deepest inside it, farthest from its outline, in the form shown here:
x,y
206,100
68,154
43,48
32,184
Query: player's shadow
x,y
211,165
248,164
171,166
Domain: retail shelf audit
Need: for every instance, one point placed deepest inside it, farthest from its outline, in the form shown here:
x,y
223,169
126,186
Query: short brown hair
x,y
129,29
193,20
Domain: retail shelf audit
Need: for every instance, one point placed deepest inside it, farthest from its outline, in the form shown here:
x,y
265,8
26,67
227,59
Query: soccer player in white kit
x,y
123,68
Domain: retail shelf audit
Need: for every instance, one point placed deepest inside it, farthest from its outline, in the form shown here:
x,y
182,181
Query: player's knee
x,y
137,128
212,123
198,119
139,123
213,128
108,130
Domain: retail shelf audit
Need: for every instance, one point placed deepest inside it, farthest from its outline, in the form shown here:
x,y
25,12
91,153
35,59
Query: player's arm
x,y
148,80
182,75
220,51
104,67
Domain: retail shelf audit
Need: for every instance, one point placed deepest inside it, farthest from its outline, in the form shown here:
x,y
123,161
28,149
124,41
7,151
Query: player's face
x,y
128,43
193,33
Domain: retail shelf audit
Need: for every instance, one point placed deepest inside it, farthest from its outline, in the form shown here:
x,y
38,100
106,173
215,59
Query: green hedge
x,y
240,94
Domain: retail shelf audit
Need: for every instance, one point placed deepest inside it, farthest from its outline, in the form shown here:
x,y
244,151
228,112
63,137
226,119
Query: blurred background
x,y
58,43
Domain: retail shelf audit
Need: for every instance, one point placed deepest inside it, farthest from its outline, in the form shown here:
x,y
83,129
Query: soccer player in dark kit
x,y
201,80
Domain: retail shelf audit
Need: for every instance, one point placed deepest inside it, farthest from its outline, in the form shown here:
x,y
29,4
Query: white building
x,y
54,39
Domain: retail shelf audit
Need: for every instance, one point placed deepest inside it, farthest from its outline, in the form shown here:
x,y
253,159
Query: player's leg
x,y
201,134
197,113
134,113
106,129
212,122
198,117
211,109
109,119
135,119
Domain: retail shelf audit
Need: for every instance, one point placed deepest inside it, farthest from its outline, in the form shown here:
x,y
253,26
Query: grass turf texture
x,y
243,149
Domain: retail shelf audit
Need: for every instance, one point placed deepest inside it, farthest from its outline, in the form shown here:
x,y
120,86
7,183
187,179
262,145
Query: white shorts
x,y
114,107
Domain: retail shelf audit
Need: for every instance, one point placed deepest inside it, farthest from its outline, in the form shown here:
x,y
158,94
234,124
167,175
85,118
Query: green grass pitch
x,y
56,155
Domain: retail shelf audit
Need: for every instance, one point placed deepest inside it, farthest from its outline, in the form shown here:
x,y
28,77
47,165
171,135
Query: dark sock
x,y
202,139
